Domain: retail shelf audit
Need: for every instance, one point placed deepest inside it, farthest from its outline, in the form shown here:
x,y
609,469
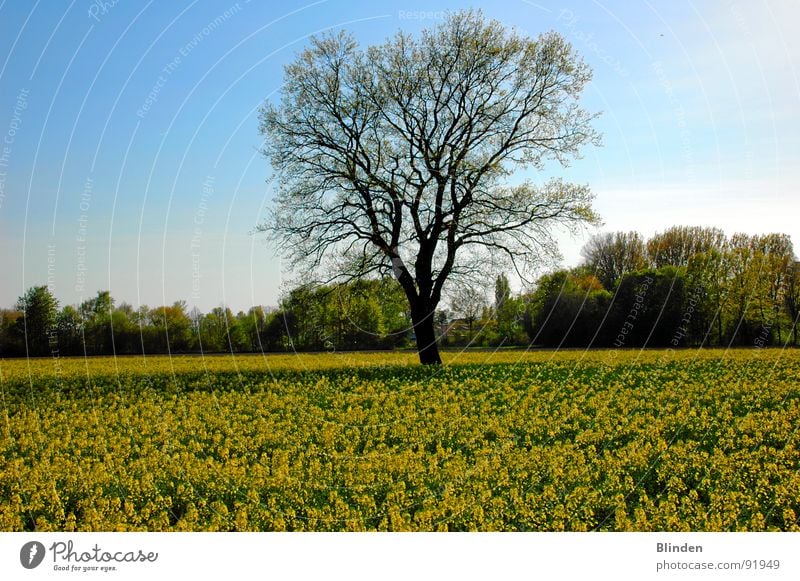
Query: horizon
x,y
130,158
268,308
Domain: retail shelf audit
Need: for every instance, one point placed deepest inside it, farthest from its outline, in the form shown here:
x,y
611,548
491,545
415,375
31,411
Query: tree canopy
x,y
396,159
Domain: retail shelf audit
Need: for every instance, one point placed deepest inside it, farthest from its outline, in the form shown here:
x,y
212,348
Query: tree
x,y
676,245
97,324
639,300
394,159
567,309
442,322
708,276
361,314
507,311
253,325
274,334
793,299
468,302
9,340
172,328
502,292
220,331
70,331
126,331
745,288
778,255
611,255
37,326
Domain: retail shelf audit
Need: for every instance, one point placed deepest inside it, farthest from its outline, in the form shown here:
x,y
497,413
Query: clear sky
x,y
129,135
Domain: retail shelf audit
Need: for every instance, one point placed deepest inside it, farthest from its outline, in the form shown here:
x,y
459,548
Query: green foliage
x,y
97,330
719,292
37,328
678,244
567,310
700,288
9,343
502,292
367,313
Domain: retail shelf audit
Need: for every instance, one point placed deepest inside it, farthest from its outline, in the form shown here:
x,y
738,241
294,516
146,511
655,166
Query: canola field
x,y
511,441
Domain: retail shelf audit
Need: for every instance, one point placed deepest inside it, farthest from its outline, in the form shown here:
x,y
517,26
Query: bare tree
x,y
610,255
468,302
395,159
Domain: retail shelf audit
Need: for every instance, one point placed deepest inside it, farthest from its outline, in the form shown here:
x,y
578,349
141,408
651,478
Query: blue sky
x,y
129,136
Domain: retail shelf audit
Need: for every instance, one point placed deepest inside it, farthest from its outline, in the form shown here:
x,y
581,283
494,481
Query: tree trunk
x,y
426,337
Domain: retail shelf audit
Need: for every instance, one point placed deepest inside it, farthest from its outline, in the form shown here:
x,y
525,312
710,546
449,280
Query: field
x,y
543,441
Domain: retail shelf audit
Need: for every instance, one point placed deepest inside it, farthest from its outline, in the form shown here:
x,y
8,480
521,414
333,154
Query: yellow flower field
x,y
571,440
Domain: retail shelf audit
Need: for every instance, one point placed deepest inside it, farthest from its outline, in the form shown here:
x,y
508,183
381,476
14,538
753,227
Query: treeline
x,y
687,286
684,287
369,314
